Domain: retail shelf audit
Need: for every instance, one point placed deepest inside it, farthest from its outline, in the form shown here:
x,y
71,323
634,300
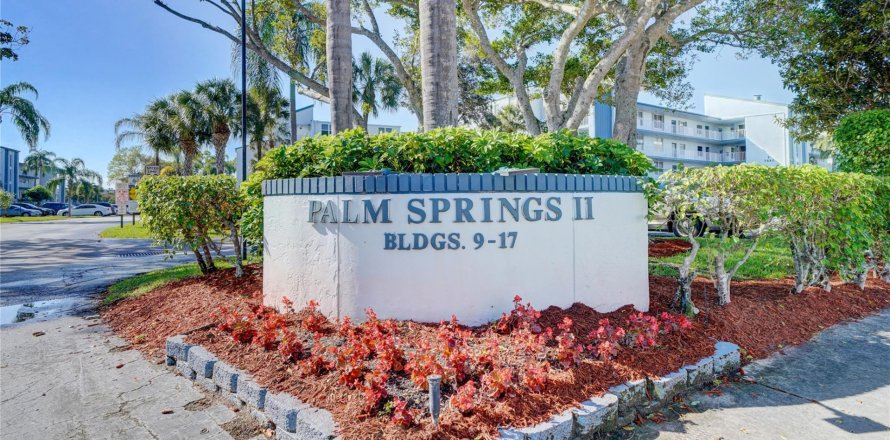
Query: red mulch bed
x,y
763,318
660,248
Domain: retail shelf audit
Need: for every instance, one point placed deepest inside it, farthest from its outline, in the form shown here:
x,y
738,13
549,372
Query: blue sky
x,y
95,61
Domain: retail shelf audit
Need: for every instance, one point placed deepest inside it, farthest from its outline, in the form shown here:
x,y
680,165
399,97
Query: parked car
x,y
109,205
89,209
43,211
17,211
55,206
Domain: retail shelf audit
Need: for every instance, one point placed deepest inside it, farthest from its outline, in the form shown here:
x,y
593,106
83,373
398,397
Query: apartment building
x,y
308,126
9,160
728,131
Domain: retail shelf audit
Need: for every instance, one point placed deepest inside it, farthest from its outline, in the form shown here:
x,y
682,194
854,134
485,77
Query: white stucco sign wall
x,y
424,247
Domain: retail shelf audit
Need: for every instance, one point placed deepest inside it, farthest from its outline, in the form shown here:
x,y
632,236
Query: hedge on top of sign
x,y
445,150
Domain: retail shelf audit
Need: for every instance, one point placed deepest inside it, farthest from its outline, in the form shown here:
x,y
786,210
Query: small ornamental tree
x,y
187,212
38,194
677,192
736,199
6,199
863,142
829,219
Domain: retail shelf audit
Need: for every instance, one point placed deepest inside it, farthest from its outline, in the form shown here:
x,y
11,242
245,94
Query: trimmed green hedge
x,y
447,150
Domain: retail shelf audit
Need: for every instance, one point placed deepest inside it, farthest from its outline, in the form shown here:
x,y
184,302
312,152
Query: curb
x,y
622,403
294,419
291,418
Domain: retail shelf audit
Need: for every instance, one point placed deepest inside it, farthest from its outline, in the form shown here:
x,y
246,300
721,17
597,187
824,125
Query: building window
x,y
658,121
659,144
384,130
639,119
325,129
640,143
659,165
698,129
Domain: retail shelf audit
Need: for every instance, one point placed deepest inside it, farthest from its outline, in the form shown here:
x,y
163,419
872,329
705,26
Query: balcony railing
x,y
705,134
706,156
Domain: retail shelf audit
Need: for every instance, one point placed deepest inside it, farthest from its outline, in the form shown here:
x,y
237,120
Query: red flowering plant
x,y
422,363
266,335
290,347
498,382
374,389
316,364
401,415
522,316
606,339
241,327
568,349
313,321
674,323
534,376
453,342
642,330
464,399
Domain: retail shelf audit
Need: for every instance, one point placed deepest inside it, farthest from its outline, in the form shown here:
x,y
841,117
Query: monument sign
x,y
426,246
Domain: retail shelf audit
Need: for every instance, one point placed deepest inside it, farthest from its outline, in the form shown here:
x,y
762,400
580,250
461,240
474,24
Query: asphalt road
x,y
67,260
70,377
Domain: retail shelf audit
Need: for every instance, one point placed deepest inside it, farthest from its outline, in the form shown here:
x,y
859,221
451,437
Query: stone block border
x,y
294,419
622,403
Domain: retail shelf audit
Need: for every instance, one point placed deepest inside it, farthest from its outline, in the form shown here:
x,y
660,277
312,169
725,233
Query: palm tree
x,y
151,128
25,116
73,174
189,127
220,101
438,62
373,77
266,111
40,162
339,64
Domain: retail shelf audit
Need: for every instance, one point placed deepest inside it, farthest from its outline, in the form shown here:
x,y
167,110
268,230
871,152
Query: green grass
x,y
128,231
771,260
144,283
32,219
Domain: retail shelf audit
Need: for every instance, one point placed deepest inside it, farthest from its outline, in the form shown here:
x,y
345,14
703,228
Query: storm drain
x,y
141,254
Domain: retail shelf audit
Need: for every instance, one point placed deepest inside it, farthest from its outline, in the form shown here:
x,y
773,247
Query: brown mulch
x,y
763,318
659,248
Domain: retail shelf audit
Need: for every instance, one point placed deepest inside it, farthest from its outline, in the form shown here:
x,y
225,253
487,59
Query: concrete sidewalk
x,y
836,386
78,381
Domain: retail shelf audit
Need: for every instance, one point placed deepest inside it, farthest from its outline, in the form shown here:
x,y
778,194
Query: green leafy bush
x,y
863,142
38,194
447,150
185,213
6,199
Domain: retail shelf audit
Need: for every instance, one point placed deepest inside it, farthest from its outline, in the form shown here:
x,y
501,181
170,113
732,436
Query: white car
x,y
88,209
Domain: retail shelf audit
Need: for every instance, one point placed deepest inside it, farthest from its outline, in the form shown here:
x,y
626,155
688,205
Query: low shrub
x,y
447,150
185,213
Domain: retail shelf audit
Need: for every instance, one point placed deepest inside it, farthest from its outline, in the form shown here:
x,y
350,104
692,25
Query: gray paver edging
x,y
294,419
619,406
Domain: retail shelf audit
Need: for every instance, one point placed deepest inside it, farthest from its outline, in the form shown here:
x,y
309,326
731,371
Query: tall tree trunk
x,y
293,111
219,144
626,92
438,63
339,63
189,149
683,295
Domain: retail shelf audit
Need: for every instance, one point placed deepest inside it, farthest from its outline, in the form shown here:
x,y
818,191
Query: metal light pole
x,y
243,106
